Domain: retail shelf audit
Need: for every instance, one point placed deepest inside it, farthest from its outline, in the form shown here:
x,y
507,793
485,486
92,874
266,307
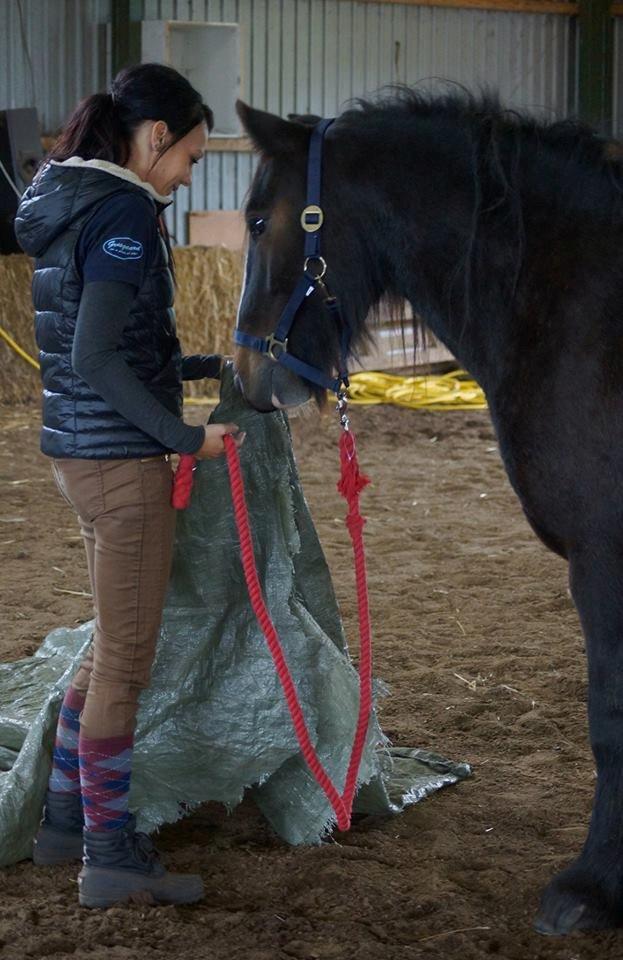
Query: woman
x,y
112,377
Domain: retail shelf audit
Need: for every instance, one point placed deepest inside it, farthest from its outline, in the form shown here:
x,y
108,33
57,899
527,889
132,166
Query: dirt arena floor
x,y
480,644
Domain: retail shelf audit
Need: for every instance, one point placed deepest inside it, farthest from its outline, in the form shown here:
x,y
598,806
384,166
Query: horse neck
x,y
458,266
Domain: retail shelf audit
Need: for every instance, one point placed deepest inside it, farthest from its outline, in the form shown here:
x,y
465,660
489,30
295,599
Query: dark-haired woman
x,y
112,400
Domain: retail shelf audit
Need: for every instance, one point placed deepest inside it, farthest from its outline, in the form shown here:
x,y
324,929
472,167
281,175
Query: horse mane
x,y
520,170
571,168
492,123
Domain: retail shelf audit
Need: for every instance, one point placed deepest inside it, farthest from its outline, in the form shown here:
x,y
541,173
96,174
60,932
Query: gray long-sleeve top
x,y
104,311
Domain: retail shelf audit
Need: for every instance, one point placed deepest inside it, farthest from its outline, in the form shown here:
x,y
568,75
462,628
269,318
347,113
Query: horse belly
x,y
563,453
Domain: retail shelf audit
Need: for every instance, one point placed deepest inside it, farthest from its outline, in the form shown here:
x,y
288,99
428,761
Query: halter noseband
x,y
275,345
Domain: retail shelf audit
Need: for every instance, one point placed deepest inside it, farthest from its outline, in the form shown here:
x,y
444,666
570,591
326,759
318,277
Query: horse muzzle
x,y
266,385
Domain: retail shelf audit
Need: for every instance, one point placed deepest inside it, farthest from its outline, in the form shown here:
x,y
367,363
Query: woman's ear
x,y
158,136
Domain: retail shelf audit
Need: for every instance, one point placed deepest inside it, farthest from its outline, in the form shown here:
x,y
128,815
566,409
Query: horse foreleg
x,y
589,893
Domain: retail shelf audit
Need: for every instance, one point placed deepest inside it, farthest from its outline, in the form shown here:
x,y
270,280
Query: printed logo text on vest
x,y
123,248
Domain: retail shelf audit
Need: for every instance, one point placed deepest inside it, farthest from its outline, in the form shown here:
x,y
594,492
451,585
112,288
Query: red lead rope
x,y
350,485
183,481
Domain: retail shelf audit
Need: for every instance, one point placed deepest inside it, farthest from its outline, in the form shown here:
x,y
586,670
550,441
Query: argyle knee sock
x,y
65,775
105,767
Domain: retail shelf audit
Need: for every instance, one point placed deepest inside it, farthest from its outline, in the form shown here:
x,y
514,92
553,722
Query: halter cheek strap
x,y
275,345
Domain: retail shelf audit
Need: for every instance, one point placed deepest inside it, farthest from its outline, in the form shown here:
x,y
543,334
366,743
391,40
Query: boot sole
x,y
102,888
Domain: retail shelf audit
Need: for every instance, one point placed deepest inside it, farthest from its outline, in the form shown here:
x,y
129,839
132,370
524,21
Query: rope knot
x,y
351,481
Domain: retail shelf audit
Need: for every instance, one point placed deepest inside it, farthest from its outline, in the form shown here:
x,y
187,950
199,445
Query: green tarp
x,y
214,722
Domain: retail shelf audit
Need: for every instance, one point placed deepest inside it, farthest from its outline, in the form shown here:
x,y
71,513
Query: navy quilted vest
x,y
76,421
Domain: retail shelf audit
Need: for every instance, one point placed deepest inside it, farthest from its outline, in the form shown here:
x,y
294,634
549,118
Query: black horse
x,y
506,235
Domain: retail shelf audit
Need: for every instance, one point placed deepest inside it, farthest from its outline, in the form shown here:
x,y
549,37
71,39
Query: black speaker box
x,y
20,155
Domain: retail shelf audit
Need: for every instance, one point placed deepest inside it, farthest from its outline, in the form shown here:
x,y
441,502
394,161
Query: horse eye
x,y
257,226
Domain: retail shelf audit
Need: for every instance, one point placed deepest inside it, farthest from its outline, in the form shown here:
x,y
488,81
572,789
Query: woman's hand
x,y
224,360
212,445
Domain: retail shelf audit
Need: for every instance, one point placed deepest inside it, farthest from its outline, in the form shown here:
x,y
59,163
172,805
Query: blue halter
x,y
275,345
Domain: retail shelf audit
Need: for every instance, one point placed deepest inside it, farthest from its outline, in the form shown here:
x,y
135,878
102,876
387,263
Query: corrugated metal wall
x,y
301,56
313,55
52,53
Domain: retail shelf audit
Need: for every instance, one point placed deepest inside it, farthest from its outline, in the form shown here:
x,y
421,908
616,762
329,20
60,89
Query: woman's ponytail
x,y
102,126
93,132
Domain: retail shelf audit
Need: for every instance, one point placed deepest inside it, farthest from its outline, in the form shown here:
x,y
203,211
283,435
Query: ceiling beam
x,y
126,34
596,64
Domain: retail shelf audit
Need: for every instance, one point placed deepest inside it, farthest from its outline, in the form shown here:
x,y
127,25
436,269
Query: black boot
x,y
123,865
59,838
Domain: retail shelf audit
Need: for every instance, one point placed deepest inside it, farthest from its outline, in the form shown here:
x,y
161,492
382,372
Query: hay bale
x,y
209,280
208,288
19,381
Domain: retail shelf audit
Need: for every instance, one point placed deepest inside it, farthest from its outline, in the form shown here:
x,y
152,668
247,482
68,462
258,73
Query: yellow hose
x,y
25,356
450,391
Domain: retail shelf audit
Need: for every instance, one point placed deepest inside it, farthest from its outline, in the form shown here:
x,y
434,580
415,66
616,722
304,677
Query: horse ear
x,y
271,134
310,119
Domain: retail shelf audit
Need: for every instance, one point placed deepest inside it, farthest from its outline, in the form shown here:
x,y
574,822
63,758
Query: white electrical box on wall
x,y
208,55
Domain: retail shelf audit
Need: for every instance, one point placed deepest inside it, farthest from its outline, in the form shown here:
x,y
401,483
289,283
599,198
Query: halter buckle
x,y
312,218
275,348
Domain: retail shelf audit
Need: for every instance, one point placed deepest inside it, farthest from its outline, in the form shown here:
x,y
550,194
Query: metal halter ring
x,y
274,347
323,267
342,409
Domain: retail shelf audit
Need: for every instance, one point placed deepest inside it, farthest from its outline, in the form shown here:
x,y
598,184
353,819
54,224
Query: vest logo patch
x,y
123,248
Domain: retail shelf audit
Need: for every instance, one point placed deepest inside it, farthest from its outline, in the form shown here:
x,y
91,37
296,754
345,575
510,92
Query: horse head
x,y
275,260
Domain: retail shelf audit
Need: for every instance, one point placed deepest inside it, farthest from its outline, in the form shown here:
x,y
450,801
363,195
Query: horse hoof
x,y
561,922
569,905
